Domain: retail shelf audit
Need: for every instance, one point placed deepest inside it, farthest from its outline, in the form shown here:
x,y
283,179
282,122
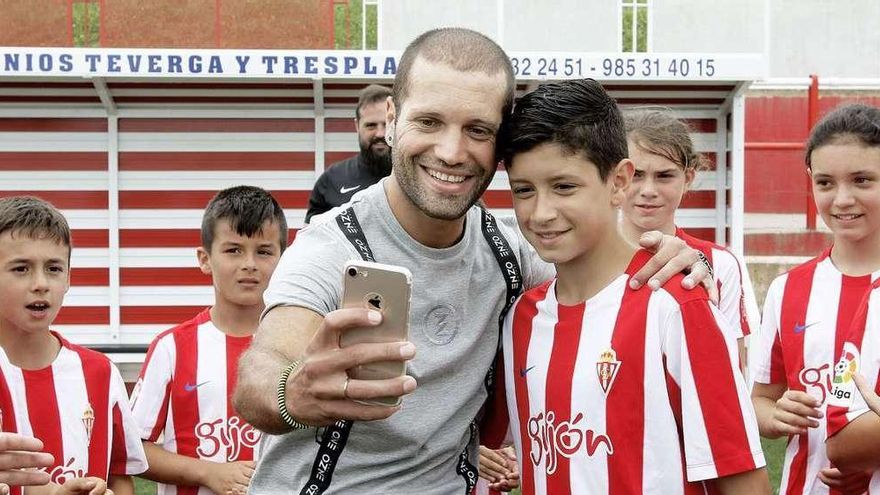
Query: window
x,y
86,23
634,25
356,23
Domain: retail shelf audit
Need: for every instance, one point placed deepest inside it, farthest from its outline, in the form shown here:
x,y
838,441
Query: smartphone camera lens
x,y
352,272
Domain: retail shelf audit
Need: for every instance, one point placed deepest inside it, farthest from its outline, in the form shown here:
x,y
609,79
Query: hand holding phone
x,y
386,289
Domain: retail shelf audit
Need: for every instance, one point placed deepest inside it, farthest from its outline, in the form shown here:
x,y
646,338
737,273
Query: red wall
x,y
774,179
35,23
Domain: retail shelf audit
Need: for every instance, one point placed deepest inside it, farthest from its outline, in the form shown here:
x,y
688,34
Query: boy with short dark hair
x,y
183,394
71,398
610,390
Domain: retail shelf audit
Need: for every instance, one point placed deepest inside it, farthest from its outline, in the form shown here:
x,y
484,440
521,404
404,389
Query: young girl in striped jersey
x,y
666,163
810,309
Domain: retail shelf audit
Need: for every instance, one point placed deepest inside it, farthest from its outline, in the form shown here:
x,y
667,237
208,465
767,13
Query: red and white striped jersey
x,y
78,407
860,354
629,392
737,299
807,314
183,398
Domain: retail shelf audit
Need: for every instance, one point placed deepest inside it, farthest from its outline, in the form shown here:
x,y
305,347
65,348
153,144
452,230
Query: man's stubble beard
x,y
433,206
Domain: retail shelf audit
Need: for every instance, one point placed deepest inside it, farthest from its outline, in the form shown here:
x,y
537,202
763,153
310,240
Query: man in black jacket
x,y
339,182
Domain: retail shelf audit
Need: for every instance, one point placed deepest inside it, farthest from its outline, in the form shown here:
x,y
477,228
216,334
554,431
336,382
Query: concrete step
x,y
804,243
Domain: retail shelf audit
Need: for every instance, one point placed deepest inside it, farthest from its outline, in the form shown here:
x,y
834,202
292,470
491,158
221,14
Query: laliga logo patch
x,y
607,368
843,384
88,420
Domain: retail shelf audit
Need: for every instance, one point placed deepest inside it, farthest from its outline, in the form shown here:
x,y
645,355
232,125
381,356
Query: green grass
x,y
774,452
144,487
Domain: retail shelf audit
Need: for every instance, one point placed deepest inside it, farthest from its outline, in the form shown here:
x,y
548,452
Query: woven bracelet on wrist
x,y
706,263
282,398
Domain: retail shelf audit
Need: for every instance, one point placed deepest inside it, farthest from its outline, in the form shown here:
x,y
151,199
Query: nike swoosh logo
x,y
801,328
189,387
345,190
524,372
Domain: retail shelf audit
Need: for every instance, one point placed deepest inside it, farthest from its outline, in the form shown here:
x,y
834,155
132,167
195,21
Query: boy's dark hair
x,y
246,208
462,49
374,93
855,121
34,218
577,115
657,131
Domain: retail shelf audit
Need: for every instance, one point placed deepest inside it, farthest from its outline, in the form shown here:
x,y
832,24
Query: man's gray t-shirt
x,y
458,294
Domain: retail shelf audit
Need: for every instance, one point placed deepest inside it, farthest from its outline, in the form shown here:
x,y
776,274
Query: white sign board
x,y
349,64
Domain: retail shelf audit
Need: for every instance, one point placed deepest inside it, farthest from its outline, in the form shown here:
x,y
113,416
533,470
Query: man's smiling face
x,y
444,137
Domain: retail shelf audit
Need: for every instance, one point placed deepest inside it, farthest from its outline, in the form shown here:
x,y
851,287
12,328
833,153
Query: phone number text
x,y
613,67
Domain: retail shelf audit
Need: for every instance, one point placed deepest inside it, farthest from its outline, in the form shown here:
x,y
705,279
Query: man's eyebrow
x,y
487,123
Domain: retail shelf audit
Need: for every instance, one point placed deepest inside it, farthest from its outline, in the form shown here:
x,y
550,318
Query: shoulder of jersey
x,y
190,325
680,294
696,242
807,265
85,352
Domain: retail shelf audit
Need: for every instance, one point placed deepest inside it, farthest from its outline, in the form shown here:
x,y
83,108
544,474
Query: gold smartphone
x,y
387,289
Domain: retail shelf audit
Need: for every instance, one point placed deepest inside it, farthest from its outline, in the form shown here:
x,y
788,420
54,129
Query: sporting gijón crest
x,y
606,369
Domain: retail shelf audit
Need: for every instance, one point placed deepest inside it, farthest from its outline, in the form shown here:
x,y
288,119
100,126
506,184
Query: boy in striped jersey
x,y
183,397
71,398
610,390
810,309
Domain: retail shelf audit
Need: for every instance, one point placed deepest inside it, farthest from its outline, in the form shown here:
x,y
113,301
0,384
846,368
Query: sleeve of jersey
x,y
309,274
765,352
750,302
717,423
152,393
861,352
732,304
495,422
127,455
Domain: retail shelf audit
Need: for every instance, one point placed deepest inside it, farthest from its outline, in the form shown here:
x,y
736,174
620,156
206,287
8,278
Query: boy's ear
x,y
204,258
621,178
689,176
